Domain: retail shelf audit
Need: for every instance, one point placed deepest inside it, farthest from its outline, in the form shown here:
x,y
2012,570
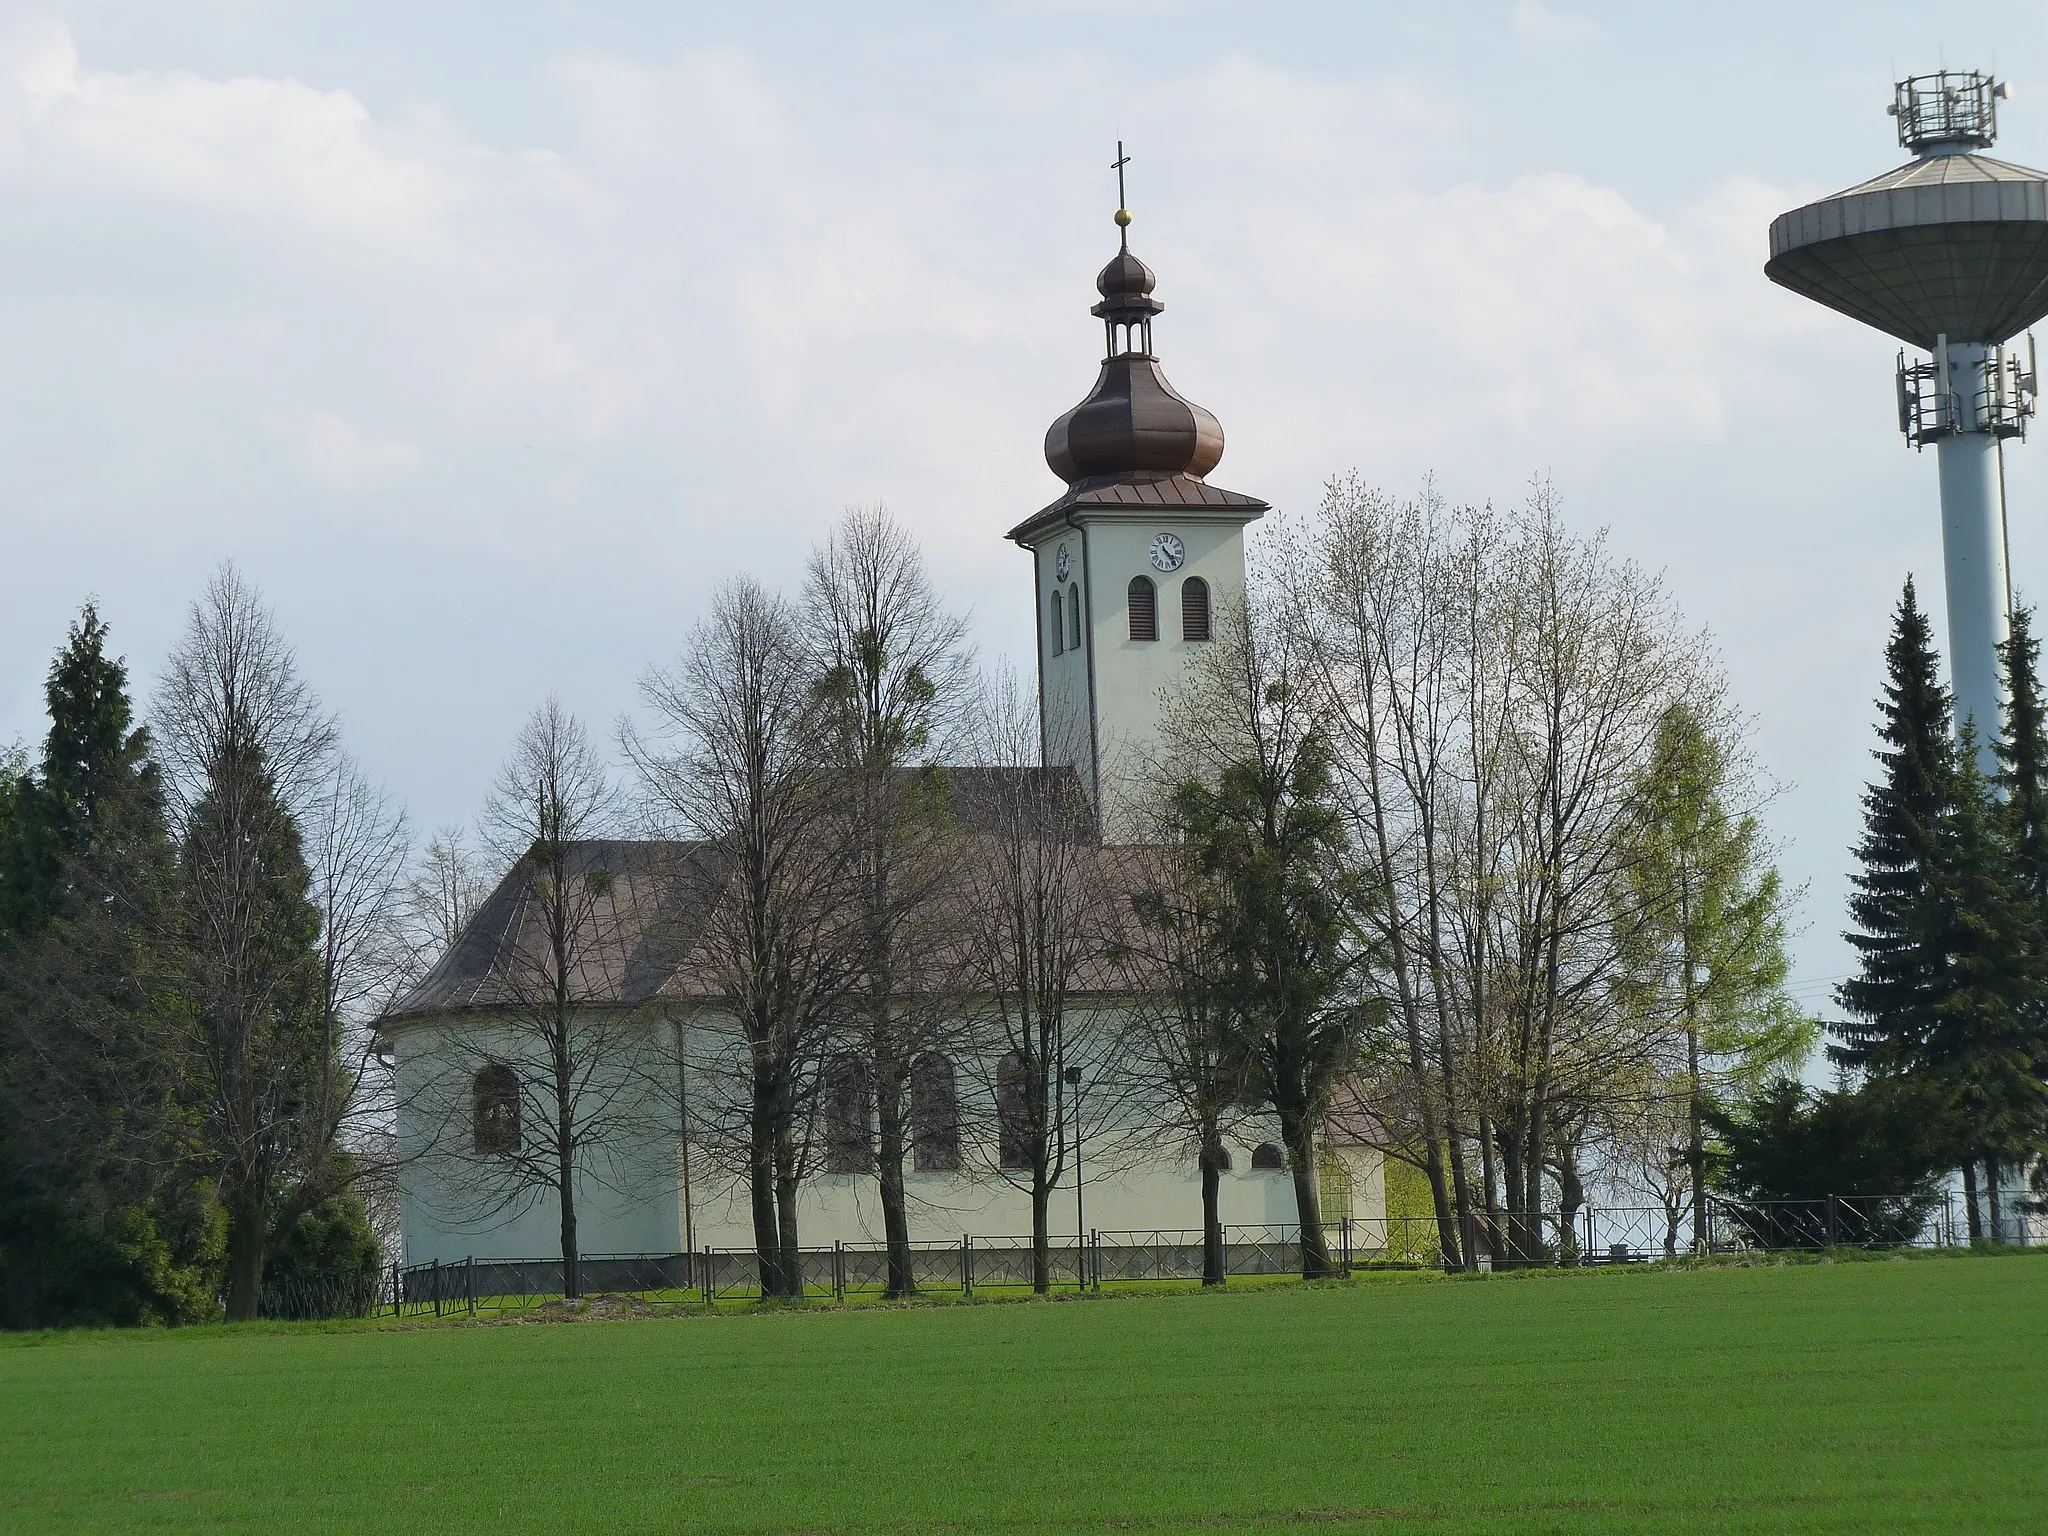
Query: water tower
x,y
1949,253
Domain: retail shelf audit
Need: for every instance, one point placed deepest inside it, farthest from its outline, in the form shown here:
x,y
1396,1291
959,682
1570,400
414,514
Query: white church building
x,y
1129,565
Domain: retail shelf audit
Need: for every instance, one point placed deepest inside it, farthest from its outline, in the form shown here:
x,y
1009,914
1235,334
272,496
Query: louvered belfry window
x,y
1059,626
1194,609
494,1123
1144,609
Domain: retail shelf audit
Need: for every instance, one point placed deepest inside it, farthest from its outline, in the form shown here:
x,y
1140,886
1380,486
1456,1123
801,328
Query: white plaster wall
x,y
1129,675
451,1205
636,1206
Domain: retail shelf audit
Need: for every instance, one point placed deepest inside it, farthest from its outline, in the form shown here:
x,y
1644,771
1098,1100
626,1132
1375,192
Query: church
x,y
1130,565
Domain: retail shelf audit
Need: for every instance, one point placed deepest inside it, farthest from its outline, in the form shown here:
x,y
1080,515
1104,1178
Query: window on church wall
x,y
1268,1158
1013,1113
1074,617
934,1116
494,1096
849,1117
1059,626
1194,609
1144,609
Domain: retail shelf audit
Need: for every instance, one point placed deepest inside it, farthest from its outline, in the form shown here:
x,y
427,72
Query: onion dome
x,y
1133,425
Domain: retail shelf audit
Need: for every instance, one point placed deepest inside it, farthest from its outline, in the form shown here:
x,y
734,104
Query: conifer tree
x,y
1980,1051
1897,907
98,1222
2021,816
2022,778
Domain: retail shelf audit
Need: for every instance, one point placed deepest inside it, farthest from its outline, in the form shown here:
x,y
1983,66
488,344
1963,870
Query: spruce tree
x,y
1900,891
97,1221
2022,778
2021,828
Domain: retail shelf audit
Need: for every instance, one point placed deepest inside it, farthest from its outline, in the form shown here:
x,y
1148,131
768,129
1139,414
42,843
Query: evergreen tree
x,y
2022,779
2022,784
1898,905
99,1221
260,1039
1982,1049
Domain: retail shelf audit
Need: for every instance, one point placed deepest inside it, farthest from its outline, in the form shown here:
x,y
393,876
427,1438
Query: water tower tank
x,y
1949,253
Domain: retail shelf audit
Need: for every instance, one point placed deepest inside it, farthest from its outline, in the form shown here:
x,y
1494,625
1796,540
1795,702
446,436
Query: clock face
x,y
1167,552
1063,563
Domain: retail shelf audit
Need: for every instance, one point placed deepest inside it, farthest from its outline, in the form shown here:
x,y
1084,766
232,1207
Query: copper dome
x,y
1133,425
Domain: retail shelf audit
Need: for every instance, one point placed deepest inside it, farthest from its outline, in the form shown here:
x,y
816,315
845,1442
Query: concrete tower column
x,y
1973,547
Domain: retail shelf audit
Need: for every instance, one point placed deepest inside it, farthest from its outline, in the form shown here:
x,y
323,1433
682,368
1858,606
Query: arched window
x,y
1074,617
1268,1158
934,1116
1194,609
1013,1112
1059,626
1144,609
849,1117
494,1094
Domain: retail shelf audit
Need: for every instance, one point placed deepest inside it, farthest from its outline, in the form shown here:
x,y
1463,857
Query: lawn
x,y
1901,1395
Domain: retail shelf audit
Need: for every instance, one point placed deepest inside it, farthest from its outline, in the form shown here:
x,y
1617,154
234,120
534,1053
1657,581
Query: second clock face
x,y
1167,552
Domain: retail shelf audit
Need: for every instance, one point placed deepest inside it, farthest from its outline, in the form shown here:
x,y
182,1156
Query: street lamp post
x,y
1072,1075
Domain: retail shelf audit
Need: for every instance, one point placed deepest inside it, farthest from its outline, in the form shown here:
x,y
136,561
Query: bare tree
x,y
734,760
546,1090
1037,924
247,750
1188,1063
446,887
893,678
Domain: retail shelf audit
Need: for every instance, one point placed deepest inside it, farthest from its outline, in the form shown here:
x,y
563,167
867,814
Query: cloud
x,y
347,459
1534,22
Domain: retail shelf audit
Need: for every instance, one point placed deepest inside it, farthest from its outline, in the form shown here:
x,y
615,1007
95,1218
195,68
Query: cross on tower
x,y
1123,214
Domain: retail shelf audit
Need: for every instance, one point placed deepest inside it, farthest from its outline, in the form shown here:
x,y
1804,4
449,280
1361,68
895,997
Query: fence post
x,y
707,1277
838,1272
966,1265
1094,1257
469,1281
436,1282
1831,1220
1587,1258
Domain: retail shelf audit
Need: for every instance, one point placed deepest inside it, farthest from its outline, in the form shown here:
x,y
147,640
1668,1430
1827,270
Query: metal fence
x,y
1597,1234
1591,1235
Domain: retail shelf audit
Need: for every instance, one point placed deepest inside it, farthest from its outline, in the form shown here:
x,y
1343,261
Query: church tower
x,y
1134,562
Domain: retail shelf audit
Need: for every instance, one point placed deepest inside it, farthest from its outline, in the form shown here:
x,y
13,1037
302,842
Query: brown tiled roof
x,y
637,935
1138,495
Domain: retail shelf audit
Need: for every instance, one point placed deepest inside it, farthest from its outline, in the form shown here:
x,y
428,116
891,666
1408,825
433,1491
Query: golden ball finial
x,y
1123,218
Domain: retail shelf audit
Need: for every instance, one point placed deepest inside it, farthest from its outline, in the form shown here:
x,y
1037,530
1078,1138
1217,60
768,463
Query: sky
x,y
487,339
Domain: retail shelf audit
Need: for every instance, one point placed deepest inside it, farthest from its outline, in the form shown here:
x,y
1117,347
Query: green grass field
x,y
1908,1395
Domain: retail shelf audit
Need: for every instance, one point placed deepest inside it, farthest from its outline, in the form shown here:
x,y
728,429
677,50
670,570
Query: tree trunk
x,y
1571,1195
1041,1228
1993,1171
1490,1177
792,1258
1696,1142
1970,1201
1299,1135
572,1278
1213,1266
248,1226
889,1173
761,1195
